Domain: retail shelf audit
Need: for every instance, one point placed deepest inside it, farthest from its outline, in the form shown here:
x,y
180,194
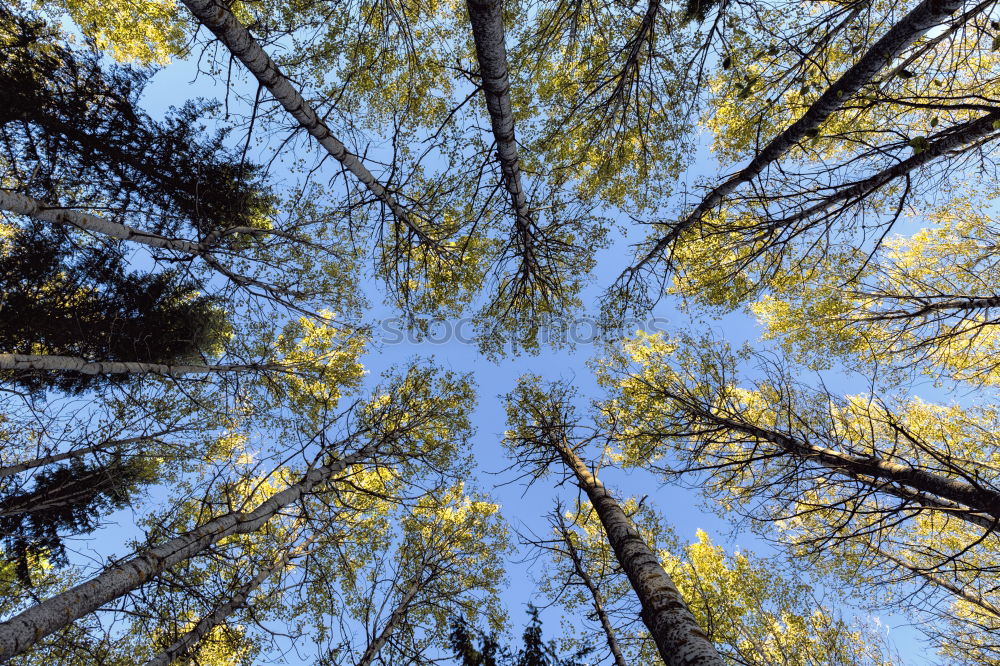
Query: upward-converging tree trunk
x,y
186,643
679,639
20,632
486,17
910,28
226,27
397,616
595,593
954,495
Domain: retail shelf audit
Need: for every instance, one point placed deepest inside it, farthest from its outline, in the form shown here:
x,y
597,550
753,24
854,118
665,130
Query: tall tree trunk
x,y
595,593
679,639
952,139
24,205
186,643
910,28
25,629
17,468
977,498
54,363
486,17
397,616
214,16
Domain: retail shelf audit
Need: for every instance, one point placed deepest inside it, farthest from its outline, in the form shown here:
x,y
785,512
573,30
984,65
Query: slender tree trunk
x,y
397,616
976,498
910,28
186,643
940,581
595,594
17,468
227,28
953,139
25,629
53,363
679,639
24,205
486,17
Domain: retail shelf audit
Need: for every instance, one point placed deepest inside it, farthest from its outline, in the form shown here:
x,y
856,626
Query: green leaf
x,y
934,121
919,144
905,74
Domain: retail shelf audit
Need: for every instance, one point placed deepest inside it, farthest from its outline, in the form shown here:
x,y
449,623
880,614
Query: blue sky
x,y
526,508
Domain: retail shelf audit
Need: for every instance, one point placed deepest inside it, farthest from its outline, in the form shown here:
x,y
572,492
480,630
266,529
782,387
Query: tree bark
x,y
186,643
54,363
951,140
911,27
23,630
595,594
679,639
398,613
486,17
24,205
221,22
978,499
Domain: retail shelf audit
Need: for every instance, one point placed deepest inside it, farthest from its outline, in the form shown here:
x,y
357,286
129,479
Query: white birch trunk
x,y
949,492
925,16
486,17
24,205
954,138
23,630
398,613
679,639
227,28
595,595
186,643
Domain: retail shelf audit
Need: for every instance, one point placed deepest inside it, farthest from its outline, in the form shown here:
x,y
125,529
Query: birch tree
x,y
386,428
542,434
768,616
856,483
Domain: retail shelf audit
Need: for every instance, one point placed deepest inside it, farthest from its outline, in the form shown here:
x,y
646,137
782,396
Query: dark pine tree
x,y
71,133
474,648
57,300
65,500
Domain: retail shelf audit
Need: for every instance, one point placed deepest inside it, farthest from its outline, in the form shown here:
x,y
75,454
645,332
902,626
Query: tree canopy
x,y
778,441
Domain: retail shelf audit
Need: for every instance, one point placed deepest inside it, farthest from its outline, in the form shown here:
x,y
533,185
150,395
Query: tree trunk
x,y
24,205
909,29
397,616
25,629
595,594
186,643
17,468
679,639
214,16
976,498
954,138
486,17
53,363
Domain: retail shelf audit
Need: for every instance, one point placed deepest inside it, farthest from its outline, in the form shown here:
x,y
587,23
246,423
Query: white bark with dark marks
x,y
491,53
30,626
679,639
227,28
